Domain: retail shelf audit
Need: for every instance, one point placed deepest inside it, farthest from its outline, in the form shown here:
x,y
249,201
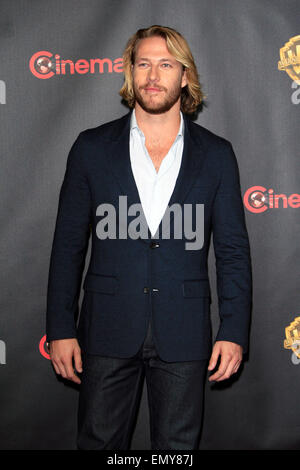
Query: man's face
x,y
157,76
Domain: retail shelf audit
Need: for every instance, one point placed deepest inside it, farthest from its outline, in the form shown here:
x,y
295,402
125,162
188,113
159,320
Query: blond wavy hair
x,y
191,94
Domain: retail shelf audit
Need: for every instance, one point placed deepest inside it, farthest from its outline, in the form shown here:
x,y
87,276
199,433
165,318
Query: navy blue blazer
x,y
130,280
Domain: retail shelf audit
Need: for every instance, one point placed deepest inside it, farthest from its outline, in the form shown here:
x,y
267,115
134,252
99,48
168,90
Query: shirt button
x,y
154,245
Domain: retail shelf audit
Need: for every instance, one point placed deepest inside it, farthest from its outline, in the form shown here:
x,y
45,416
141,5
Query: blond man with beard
x,y
146,306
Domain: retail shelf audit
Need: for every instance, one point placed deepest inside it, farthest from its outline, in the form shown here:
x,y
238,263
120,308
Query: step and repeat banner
x,y
61,72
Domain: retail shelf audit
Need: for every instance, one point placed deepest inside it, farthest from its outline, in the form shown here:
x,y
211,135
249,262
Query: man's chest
x,y
158,153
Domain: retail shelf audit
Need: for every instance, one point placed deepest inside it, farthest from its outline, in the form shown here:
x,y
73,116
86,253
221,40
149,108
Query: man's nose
x,y
153,73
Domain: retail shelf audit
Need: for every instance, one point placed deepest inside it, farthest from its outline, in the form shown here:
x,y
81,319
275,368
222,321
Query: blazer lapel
x,y
120,165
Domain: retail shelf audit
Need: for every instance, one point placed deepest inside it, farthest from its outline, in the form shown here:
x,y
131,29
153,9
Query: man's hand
x,y
62,352
231,358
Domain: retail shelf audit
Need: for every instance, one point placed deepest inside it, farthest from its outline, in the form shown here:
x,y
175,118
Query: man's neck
x,y
158,126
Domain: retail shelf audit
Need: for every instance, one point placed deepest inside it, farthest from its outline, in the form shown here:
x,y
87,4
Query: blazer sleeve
x,y
69,247
232,254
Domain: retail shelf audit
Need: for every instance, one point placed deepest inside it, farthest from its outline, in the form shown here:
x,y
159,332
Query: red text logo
x,y
44,64
258,199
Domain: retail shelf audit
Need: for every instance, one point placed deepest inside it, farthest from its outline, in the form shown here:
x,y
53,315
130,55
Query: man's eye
x,y
142,64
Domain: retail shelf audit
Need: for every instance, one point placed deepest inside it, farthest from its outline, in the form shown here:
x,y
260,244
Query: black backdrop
x,y
252,100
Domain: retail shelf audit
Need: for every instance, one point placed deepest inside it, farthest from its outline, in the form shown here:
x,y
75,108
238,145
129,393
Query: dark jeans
x,y
110,393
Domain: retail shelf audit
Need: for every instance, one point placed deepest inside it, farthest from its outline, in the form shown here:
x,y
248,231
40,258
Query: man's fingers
x,y
62,352
61,367
228,372
214,358
225,371
236,367
70,372
231,358
222,368
64,368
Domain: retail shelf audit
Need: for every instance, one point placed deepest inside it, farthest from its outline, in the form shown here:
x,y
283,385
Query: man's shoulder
x,y
107,131
208,138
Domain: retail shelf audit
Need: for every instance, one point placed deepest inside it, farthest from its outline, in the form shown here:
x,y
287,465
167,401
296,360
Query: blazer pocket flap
x,y
100,283
196,288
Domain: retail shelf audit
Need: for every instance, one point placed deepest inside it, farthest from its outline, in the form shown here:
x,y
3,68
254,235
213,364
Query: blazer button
x,y
146,290
154,245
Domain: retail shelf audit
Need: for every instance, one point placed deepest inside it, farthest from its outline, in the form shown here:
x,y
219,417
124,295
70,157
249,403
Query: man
x,y
146,304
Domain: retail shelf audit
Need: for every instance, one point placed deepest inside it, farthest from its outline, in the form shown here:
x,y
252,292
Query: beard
x,y
154,106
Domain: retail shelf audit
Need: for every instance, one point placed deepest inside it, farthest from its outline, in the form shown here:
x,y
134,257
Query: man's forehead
x,y
152,47
156,54
158,59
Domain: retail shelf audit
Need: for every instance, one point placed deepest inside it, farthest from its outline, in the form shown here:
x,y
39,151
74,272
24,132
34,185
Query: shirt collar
x,y
134,125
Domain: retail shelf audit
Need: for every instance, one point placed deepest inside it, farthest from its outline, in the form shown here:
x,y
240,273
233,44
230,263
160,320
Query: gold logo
x,y
292,334
290,58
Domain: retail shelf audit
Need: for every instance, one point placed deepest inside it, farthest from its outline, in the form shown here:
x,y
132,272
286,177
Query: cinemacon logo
x,y
43,348
44,64
258,199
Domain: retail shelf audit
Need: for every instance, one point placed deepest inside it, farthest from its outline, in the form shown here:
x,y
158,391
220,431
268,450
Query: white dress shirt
x,y
154,188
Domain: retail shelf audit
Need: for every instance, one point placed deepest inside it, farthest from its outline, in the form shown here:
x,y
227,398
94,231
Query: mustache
x,y
150,85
